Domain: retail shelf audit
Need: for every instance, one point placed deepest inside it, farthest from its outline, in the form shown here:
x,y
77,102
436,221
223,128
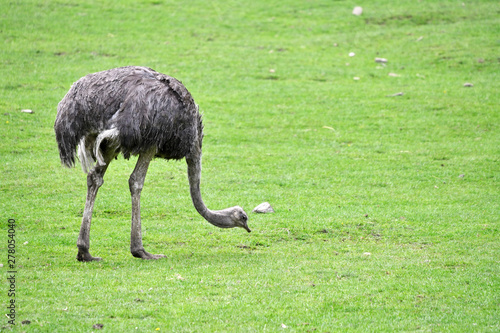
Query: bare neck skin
x,y
219,218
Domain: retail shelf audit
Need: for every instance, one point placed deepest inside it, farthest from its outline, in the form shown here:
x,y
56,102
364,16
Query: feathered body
x,y
131,110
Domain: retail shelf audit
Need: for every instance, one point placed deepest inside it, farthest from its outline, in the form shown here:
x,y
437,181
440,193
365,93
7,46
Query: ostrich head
x,y
228,218
239,218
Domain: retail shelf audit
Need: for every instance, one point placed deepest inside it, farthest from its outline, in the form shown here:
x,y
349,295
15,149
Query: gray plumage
x,y
133,111
148,109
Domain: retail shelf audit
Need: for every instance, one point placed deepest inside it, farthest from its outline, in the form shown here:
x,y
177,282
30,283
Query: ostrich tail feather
x,y
85,155
112,136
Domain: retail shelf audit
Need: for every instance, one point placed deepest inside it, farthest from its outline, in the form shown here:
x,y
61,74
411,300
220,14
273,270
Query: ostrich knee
x,y
135,186
95,180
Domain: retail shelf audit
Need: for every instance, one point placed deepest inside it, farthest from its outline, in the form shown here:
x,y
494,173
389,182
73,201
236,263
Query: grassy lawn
x,y
387,205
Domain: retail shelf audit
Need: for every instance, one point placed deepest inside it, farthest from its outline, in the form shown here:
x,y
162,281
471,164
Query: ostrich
x,y
133,111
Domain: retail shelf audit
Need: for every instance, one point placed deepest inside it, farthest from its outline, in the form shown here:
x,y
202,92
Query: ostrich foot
x,y
146,255
85,256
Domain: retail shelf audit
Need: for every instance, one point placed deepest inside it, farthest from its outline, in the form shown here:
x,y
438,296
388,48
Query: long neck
x,y
220,218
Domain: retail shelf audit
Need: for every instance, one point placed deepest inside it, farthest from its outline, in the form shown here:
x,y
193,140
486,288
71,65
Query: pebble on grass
x,y
357,11
396,94
263,208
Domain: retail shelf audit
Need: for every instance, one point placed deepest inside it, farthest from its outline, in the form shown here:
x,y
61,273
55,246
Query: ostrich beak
x,y
246,228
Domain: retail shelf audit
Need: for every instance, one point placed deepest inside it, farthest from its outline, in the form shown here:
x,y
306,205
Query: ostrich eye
x,y
244,217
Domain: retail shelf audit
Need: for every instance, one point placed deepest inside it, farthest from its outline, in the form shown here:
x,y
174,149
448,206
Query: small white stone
x,y
357,10
396,94
27,111
264,207
352,54
367,254
468,84
1,265
394,75
381,60
356,78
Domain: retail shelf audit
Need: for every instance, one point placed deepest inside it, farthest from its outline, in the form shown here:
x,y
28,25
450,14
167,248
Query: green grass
x,y
387,208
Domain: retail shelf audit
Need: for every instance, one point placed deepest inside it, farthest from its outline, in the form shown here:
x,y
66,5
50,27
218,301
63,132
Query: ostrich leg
x,y
136,182
94,181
